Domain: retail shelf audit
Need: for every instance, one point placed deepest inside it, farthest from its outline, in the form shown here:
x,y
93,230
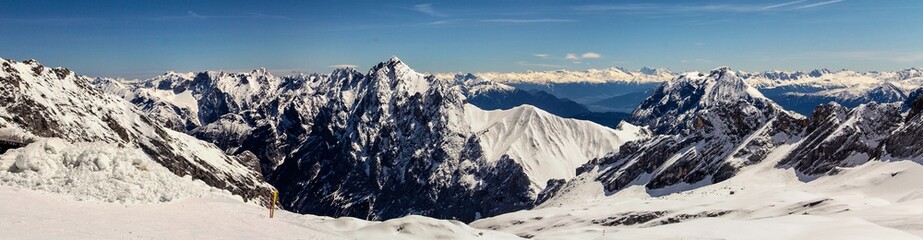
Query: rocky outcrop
x,y
907,141
840,137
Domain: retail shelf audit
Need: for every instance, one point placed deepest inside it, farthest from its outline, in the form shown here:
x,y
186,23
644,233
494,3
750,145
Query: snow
x,y
876,200
842,84
787,227
52,189
407,79
208,153
547,146
28,214
94,171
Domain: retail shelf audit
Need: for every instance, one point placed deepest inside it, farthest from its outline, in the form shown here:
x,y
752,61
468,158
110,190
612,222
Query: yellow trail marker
x,y
272,205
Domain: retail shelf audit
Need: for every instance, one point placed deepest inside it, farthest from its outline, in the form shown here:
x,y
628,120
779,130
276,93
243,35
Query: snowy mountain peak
x,y
31,62
397,76
728,87
394,58
655,71
260,71
691,92
721,70
819,72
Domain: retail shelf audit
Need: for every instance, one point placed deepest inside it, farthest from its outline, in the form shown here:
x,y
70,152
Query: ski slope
x,y
28,214
877,200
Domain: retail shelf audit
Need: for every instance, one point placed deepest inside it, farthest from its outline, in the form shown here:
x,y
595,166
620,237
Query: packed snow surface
x,y
27,214
877,200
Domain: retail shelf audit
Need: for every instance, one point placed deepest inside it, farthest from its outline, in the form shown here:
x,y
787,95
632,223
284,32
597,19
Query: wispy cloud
x,y
591,55
541,55
770,7
192,15
54,21
344,66
428,9
575,58
539,20
523,63
196,15
819,4
446,22
680,8
618,7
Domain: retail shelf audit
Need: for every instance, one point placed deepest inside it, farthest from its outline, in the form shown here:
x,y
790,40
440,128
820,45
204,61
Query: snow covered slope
x,y
52,189
56,103
547,146
29,214
875,200
94,171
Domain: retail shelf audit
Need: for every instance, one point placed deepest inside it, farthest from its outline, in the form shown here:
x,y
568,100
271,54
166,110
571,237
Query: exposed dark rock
x,y
629,218
840,137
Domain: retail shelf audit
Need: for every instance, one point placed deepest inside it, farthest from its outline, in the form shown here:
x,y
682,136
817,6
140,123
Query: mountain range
x,y
393,142
619,90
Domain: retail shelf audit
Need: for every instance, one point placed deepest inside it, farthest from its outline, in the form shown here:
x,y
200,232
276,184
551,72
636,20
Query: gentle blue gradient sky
x,y
138,39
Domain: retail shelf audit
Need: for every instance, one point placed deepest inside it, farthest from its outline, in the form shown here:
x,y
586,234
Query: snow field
x,y
94,171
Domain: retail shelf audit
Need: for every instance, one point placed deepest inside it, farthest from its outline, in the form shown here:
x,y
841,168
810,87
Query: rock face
x,y
708,127
55,102
398,145
907,141
841,137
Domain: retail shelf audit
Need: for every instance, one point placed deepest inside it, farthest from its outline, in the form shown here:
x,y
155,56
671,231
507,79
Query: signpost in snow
x,y
272,204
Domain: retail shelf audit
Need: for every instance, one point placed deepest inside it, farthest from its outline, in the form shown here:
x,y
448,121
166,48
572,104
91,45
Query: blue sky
x,y
138,39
